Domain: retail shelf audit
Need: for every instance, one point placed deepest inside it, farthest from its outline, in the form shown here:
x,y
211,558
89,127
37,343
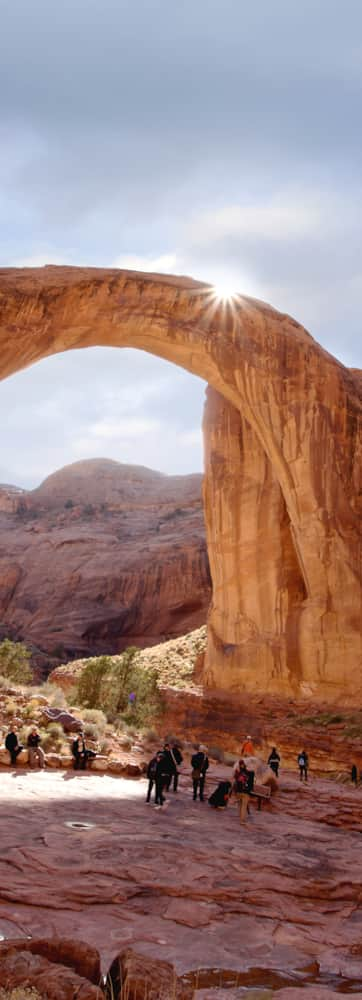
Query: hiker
x,y
274,761
199,764
36,754
151,774
354,775
178,758
220,797
303,764
243,785
247,747
161,777
13,746
169,765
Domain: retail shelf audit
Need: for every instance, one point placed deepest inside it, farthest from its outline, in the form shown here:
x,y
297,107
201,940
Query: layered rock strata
x,y
103,556
286,616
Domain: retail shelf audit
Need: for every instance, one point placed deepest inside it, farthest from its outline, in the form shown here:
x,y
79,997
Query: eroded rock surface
x,y
185,884
103,556
283,452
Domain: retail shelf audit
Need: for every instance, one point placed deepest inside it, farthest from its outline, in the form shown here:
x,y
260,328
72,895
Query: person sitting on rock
x,y
247,747
13,746
36,754
303,764
243,785
220,797
274,761
151,774
80,753
199,764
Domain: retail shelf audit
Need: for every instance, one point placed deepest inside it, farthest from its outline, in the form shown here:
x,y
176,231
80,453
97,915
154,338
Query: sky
x,y
215,138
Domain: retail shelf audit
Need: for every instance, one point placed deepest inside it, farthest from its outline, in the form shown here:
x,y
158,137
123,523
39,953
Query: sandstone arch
x,y
283,458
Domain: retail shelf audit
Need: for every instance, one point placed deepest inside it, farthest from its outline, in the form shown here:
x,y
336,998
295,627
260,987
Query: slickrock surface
x,y
103,556
283,461
186,883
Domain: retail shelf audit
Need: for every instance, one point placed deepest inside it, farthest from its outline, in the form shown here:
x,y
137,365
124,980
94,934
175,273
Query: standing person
x,y
354,775
303,764
36,754
151,774
274,761
243,785
79,752
178,758
13,746
160,778
169,765
247,747
199,764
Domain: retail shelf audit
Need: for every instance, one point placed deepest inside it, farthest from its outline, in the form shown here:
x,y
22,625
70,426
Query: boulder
x,y
69,722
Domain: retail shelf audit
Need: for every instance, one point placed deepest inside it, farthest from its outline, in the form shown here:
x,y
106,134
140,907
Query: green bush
x,y
107,682
14,661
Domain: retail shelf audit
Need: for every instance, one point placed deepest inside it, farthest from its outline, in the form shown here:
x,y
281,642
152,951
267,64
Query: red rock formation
x,y
289,620
103,556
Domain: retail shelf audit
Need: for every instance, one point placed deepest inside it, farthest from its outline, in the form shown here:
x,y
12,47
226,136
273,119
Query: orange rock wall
x,y
284,530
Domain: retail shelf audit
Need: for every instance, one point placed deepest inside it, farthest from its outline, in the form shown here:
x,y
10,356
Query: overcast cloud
x,y
218,138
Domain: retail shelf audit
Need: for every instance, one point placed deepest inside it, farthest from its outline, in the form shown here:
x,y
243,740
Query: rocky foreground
x,y
274,904
102,556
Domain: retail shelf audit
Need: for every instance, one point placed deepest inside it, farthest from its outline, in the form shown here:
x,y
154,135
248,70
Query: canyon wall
x,y
103,556
283,457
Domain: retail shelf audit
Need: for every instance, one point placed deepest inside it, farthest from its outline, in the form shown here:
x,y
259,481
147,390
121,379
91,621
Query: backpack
x,y
301,760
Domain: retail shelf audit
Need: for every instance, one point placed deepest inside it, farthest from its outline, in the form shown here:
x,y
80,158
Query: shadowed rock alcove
x,y
282,487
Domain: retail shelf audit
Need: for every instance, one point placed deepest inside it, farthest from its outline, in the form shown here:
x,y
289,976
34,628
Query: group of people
x,y
163,769
35,751
81,753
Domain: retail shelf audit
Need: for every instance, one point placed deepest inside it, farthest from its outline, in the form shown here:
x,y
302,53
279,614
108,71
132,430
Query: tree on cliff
x,y
15,662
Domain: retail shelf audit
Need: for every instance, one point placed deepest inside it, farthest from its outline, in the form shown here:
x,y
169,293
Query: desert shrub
x,y
105,747
55,730
91,731
96,716
11,708
54,694
4,681
15,661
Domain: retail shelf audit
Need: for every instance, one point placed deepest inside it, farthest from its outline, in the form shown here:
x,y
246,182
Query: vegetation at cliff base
x,y
14,662
120,687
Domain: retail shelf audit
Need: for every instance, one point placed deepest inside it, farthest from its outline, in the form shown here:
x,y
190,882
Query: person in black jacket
x,y
178,758
274,761
169,765
151,774
199,764
13,746
220,797
161,778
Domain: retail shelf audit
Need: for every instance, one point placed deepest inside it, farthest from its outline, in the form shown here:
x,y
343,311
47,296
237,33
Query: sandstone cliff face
x,y
102,556
288,618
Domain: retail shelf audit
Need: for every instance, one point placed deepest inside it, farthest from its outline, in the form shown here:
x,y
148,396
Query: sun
x,y
224,291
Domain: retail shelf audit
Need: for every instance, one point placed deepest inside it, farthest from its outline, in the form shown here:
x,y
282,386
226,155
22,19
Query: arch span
x,y
283,452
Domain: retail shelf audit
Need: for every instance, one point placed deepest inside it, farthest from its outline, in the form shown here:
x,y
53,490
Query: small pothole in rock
x,y
76,825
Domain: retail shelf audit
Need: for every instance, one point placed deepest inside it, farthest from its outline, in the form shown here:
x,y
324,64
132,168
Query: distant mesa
x,y
102,556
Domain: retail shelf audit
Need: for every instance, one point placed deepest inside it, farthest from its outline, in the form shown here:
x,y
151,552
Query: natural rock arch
x,y
283,459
